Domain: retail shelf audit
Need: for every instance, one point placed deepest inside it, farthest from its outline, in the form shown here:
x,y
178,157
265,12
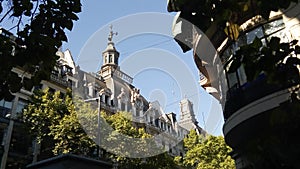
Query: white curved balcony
x,y
255,108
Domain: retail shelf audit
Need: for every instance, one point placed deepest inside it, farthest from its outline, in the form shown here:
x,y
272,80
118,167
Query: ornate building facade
x,y
116,92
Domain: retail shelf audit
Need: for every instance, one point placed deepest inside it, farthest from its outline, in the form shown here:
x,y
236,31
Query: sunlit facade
x,y
117,93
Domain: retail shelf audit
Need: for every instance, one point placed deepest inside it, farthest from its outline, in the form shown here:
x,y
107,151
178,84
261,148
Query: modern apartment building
x,y
261,110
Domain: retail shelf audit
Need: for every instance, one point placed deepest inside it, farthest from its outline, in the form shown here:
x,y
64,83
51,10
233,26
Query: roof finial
x,y
111,33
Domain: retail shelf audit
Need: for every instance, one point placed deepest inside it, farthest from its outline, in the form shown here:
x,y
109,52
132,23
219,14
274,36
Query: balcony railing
x,y
251,91
60,80
123,76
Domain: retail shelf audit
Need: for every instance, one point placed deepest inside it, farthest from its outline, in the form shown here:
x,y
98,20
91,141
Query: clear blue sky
x,y
161,80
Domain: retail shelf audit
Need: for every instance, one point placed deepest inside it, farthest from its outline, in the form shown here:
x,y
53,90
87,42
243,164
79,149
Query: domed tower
x,y
110,57
116,80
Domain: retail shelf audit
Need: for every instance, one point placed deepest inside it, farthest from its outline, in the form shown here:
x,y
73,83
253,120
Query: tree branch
x,y
17,25
34,11
19,22
11,8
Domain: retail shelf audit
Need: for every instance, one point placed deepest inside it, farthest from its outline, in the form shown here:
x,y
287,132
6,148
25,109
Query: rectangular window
x,y
21,104
227,54
38,87
20,141
112,102
273,26
138,112
123,106
242,41
156,122
106,99
71,83
5,104
281,34
5,107
258,32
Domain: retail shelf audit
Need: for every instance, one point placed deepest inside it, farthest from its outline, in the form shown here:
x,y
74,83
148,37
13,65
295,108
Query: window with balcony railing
x,y
241,91
263,31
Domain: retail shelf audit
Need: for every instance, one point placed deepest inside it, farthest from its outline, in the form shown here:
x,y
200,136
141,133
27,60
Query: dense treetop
x,y
40,27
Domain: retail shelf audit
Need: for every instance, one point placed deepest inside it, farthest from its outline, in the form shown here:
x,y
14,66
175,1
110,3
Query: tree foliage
x,y
278,61
122,124
40,30
52,117
208,152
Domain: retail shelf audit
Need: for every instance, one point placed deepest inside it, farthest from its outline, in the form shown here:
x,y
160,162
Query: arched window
x,y
106,59
110,58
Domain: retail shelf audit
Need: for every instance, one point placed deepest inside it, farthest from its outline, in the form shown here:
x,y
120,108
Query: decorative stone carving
x,y
135,95
122,96
122,99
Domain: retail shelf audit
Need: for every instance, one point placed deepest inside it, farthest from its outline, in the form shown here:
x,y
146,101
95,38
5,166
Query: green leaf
x,y
256,43
246,7
293,61
251,71
69,24
61,36
73,16
265,14
77,6
297,50
274,43
285,47
27,13
17,12
294,42
236,63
